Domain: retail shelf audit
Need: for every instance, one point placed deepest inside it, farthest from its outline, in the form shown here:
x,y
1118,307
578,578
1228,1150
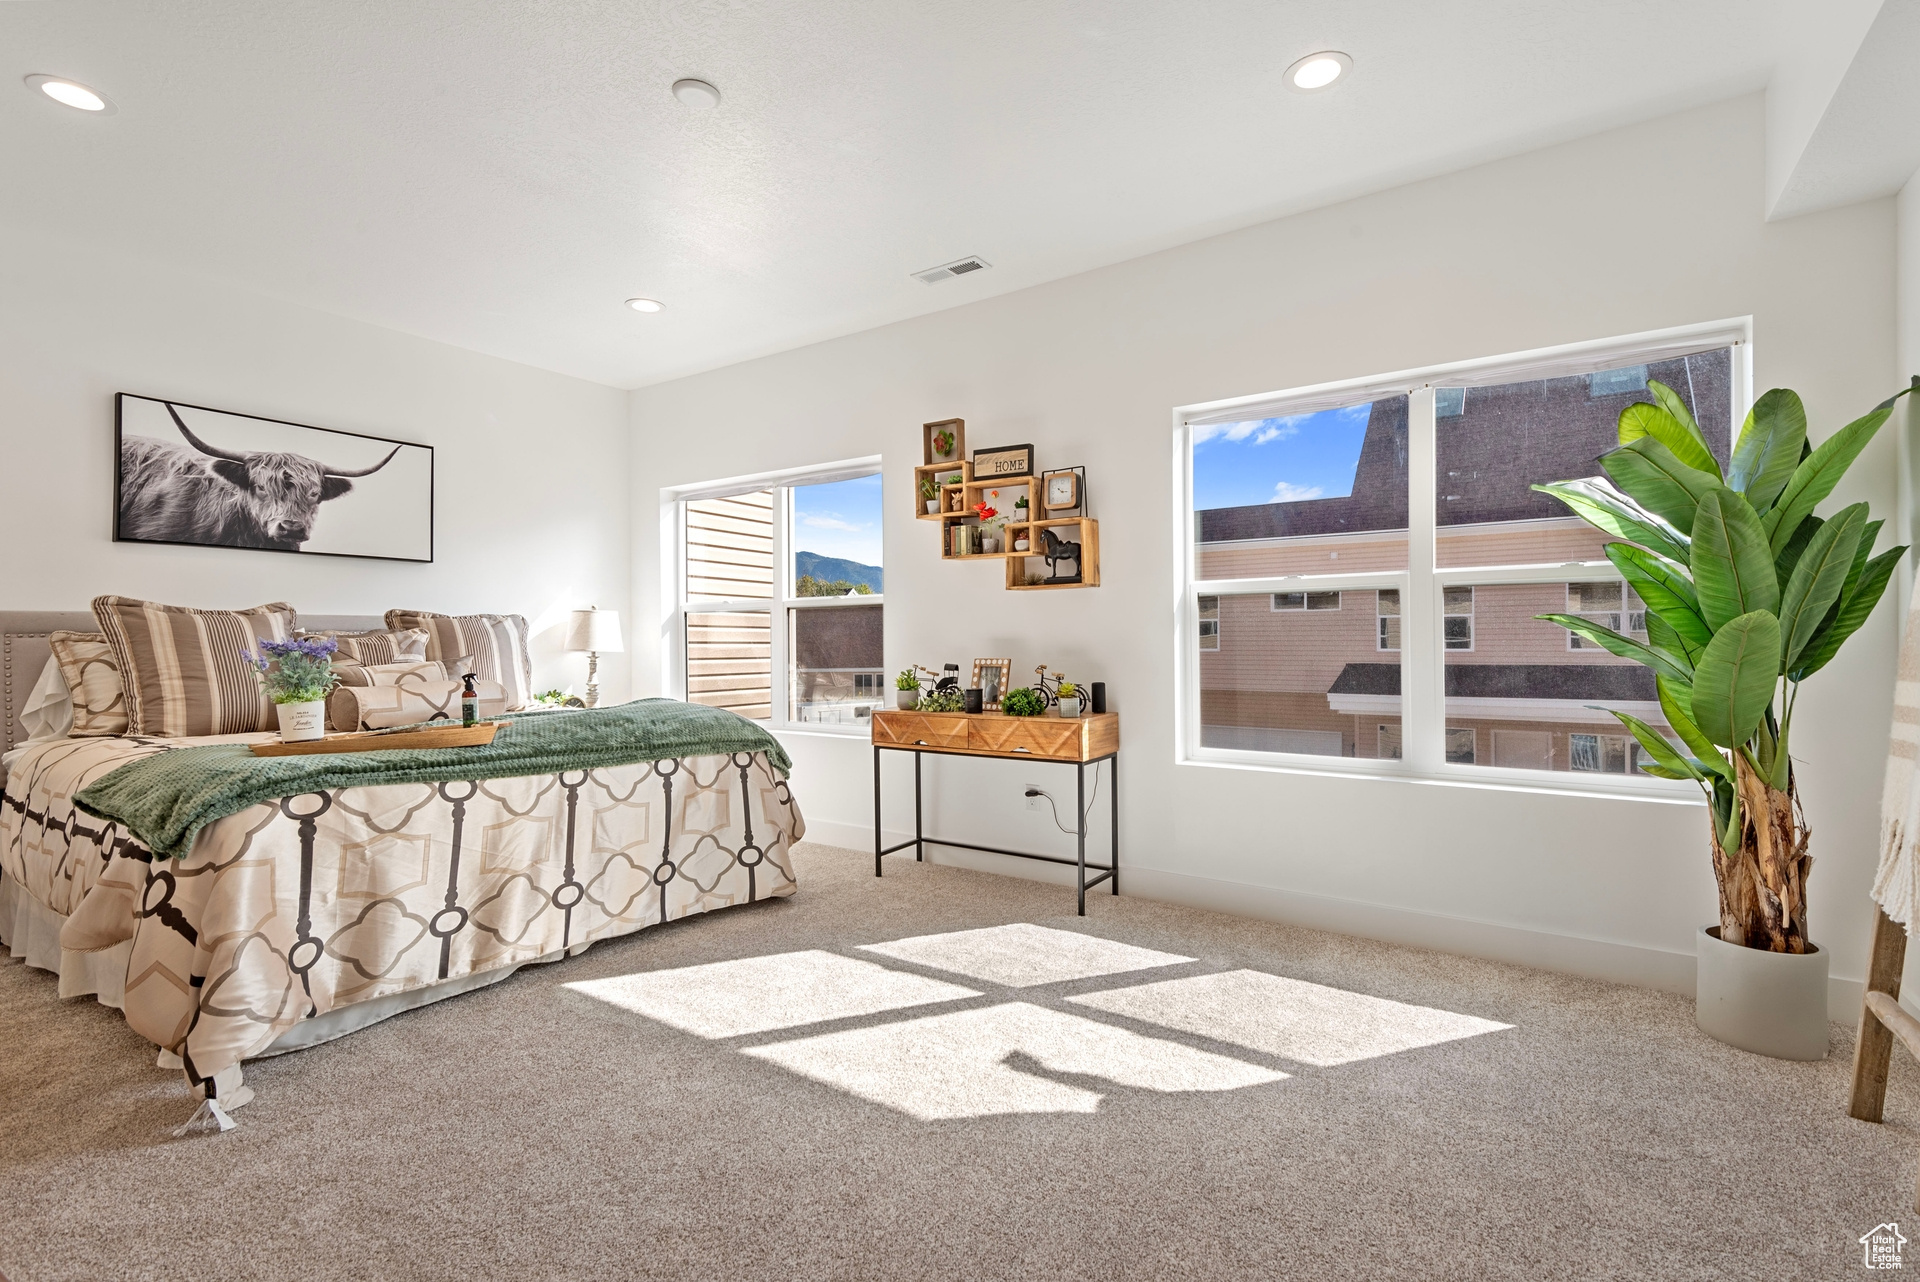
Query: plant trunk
x,y
1763,880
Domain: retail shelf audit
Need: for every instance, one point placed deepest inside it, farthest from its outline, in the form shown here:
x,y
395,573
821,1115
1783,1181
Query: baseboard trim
x,y
1666,970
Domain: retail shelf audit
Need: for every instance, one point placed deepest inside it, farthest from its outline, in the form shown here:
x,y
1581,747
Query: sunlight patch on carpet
x,y
1004,1059
1288,1018
1021,955
759,994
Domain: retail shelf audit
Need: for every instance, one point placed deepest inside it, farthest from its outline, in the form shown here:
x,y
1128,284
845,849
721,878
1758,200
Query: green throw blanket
x,y
165,800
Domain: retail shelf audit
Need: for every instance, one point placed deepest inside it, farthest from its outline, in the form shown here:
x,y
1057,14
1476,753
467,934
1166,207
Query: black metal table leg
x,y
876,810
919,840
1113,796
1080,826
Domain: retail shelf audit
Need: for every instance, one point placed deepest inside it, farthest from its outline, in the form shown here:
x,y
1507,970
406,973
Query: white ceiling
x,y
501,176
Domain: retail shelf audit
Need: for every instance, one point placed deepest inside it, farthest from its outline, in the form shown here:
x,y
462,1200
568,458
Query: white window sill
x,y
1493,778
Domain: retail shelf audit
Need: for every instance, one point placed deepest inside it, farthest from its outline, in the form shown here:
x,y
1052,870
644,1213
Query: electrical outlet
x,y
1034,803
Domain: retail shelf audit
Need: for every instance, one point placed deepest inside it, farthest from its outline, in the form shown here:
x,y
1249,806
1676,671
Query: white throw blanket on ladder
x,y
1897,885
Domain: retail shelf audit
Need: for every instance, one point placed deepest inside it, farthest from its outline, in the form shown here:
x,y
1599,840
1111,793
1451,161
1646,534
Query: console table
x,y
1076,741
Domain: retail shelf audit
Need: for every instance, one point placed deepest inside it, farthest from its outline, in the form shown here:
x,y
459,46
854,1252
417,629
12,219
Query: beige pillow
x,y
93,682
411,672
185,670
379,707
497,642
379,646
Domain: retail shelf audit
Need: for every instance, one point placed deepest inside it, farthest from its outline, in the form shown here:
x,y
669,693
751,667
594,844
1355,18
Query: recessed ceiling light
x,y
646,304
1317,70
696,93
71,93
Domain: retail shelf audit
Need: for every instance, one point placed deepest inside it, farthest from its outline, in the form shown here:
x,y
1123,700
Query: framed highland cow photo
x,y
210,478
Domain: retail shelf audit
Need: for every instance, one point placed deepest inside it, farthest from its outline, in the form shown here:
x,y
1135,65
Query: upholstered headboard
x,y
24,652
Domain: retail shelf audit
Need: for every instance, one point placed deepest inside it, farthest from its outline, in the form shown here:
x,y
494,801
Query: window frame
x,y
779,606
1421,585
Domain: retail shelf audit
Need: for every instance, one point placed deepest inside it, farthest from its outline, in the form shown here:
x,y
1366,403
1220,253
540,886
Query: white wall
x,y
531,503
1655,225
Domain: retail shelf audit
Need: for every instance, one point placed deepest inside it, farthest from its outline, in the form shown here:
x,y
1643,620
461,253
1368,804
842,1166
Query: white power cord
x,y
1052,805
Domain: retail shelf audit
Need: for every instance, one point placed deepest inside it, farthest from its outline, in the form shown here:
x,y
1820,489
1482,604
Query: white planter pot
x,y
302,721
933,507
1768,1003
989,544
1070,707
905,699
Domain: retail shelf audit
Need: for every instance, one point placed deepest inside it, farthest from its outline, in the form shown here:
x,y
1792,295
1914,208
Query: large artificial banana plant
x,y
1748,594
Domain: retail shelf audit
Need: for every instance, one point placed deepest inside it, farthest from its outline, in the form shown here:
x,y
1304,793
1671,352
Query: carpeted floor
x,y
1149,1092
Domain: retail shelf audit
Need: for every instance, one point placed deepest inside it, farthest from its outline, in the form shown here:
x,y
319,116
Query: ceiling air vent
x,y
972,263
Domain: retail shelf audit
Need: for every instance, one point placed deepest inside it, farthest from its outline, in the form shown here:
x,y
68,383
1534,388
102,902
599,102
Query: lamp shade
x,y
597,630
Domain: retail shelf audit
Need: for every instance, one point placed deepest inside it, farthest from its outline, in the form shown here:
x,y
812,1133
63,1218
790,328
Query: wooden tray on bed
x,y
454,736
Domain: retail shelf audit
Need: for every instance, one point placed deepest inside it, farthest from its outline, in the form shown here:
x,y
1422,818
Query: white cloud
x,y
1261,429
1288,492
821,521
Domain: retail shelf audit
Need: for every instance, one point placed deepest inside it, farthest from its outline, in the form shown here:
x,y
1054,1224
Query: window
x,y
1611,754
781,609
1605,604
1457,619
1617,382
1388,613
1306,601
1420,497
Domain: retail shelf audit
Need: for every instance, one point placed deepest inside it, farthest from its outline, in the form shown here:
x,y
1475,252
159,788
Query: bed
x,y
304,917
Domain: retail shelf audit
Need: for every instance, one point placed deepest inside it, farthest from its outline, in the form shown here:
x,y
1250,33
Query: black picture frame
x,y
140,518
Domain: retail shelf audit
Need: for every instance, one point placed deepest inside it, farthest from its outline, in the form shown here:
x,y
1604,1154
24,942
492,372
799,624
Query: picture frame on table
x,y
991,677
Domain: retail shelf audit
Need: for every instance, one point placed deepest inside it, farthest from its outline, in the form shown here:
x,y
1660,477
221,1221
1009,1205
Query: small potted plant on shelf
x,y
1020,543
297,675
943,445
1023,702
991,525
1069,695
930,495
908,686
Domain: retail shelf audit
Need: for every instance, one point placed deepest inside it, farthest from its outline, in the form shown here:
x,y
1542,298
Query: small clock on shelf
x,y
1062,491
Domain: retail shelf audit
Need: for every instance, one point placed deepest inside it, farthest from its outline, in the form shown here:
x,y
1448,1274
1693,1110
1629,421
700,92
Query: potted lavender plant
x,y
298,675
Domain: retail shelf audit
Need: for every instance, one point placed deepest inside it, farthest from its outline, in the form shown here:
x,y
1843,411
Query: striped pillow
x,y
184,670
93,682
497,642
367,648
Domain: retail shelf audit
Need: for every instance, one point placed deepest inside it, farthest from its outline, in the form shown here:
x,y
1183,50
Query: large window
x,y
780,601
1366,562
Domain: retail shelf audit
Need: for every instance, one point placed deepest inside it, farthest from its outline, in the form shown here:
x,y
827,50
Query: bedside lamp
x,y
594,631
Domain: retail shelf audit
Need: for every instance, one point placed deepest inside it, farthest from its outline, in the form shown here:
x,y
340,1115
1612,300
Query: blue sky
x,y
1278,460
840,518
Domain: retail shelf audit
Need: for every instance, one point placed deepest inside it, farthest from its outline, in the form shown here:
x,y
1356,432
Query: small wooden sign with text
x,y
1007,460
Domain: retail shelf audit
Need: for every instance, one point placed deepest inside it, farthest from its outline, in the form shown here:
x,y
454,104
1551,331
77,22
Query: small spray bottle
x,y
469,700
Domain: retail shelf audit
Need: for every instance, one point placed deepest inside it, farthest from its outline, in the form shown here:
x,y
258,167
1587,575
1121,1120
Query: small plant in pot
x,y
1023,702
907,686
1747,594
298,675
948,700
930,495
1069,695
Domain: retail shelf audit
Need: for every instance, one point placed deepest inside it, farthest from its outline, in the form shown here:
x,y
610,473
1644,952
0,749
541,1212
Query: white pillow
x,y
47,715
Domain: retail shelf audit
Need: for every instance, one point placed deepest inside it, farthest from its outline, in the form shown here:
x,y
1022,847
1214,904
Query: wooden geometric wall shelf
x,y
958,493
1023,568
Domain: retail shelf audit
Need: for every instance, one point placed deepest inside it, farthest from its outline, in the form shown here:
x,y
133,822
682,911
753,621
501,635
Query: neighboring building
x,y
1319,672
